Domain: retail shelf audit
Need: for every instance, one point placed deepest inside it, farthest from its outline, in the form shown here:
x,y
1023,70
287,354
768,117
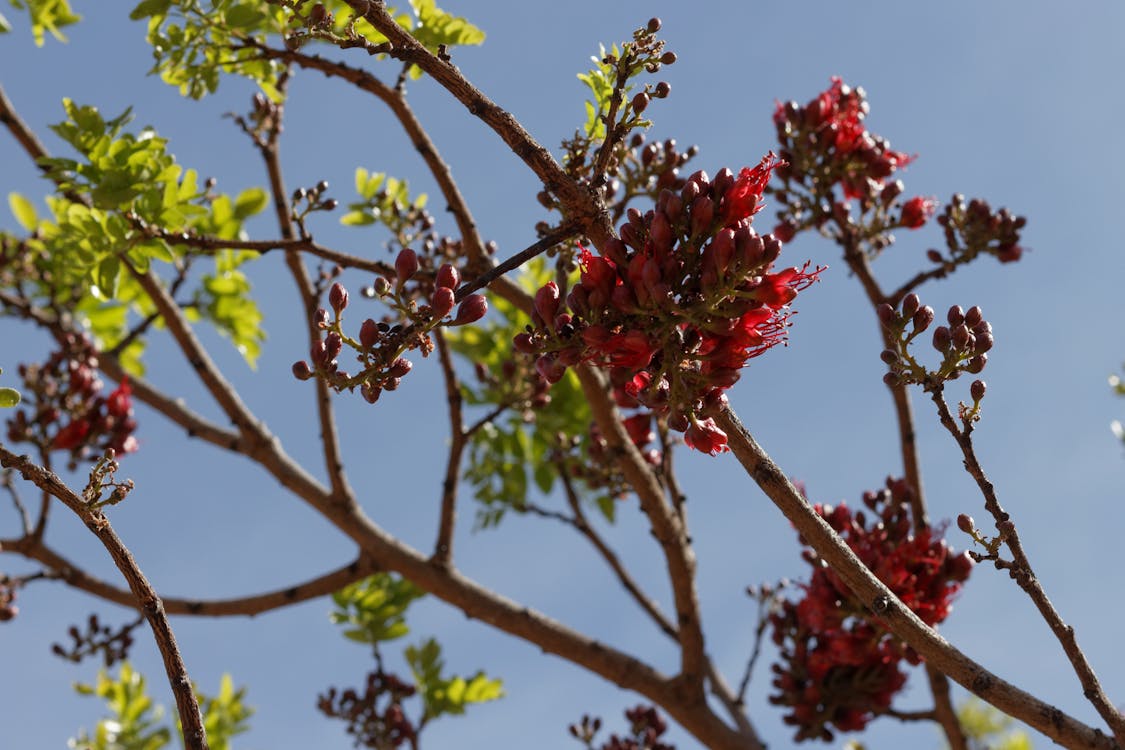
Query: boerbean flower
x,y
675,308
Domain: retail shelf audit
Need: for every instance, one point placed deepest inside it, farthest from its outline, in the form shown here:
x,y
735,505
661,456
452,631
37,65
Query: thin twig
x,y
443,547
1025,577
330,441
145,597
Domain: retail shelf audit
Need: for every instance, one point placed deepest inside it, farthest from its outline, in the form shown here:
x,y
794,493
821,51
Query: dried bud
x,y
640,102
934,256
653,25
441,302
338,297
301,370
406,265
448,276
320,317
381,287
662,90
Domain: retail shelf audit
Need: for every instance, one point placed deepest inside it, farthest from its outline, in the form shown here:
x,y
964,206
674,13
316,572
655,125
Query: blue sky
x,y
1015,103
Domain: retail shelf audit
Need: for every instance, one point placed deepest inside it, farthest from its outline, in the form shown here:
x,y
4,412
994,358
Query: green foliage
x,y
9,397
373,610
386,201
509,454
133,720
988,728
194,42
447,695
599,80
225,714
46,16
122,184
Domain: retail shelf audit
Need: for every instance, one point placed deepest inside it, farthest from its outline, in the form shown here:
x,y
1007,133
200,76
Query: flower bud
x,y
640,101
369,333
923,318
441,302
934,256
984,342
702,215
886,314
547,302
448,276
471,310
976,364
381,287
965,522
406,265
320,317
370,392
889,357
974,316
333,345
977,389
301,370
338,297
960,336
400,367
942,339
955,316
910,305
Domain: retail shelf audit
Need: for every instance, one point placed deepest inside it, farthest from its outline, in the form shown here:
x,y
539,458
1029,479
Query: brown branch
x,y
1025,577
667,528
242,606
145,597
330,441
581,524
860,264
443,547
578,202
892,613
19,129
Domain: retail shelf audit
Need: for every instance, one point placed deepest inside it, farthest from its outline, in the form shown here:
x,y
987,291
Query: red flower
x,y
744,198
706,437
631,349
916,211
119,403
71,436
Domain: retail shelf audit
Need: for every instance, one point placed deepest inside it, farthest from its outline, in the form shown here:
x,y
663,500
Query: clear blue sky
x,y
1016,103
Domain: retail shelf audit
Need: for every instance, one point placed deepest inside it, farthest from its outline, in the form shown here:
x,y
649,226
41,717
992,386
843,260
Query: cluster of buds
x,y
69,411
974,228
376,718
676,306
828,142
963,343
646,727
380,344
112,643
839,666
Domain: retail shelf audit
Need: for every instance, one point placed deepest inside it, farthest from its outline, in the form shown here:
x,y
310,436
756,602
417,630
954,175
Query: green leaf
x,y
244,16
250,202
149,8
225,715
447,695
106,276
5,27
374,609
133,717
24,211
9,397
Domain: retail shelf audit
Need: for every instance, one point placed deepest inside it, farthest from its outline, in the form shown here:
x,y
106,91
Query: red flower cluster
x,y
676,306
70,412
840,667
829,132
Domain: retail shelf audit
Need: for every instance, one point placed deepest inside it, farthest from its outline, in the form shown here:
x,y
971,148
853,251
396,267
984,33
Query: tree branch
x,y
892,613
145,597
1025,577
443,547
